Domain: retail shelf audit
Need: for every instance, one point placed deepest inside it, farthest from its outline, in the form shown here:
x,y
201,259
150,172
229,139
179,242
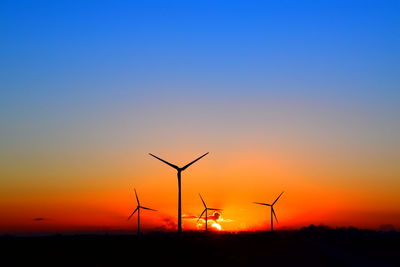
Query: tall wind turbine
x,y
138,207
179,170
272,210
205,210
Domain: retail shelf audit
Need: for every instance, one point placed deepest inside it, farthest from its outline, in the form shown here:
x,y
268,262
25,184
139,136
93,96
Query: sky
x,y
295,96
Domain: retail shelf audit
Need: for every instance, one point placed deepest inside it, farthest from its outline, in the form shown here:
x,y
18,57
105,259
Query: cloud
x,y
38,219
168,224
189,217
216,217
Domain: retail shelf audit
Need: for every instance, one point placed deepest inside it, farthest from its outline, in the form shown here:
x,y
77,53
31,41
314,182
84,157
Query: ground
x,y
311,246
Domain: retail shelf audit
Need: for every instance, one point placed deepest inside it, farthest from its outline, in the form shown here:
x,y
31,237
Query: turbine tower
x,y
272,210
138,207
205,210
179,170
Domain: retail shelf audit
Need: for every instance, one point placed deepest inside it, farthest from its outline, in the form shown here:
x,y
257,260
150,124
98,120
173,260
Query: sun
x,y
217,226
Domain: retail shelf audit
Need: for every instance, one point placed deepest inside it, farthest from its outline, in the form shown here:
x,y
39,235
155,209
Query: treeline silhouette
x,y
308,246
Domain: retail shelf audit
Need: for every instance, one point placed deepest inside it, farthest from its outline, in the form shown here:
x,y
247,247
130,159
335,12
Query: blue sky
x,y
64,61
60,57
306,45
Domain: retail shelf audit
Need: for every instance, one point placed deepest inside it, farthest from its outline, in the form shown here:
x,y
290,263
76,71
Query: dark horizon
x,y
312,246
383,228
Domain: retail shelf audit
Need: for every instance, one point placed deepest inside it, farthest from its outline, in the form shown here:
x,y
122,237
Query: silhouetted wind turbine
x,y
138,211
205,210
272,210
179,170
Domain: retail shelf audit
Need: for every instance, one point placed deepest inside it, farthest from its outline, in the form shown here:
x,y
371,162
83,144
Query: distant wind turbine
x,y
138,211
272,210
179,170
205,210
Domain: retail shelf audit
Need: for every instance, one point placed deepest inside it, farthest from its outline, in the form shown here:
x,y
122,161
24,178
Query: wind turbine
x,y
272,210
138,211
179,170
205,210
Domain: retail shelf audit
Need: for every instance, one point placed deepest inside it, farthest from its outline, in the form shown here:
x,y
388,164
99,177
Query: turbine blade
x,y
137,199
203,201
133,212
273,212
147,208
201,215
277,198
213,209
259,203
166,162
187,165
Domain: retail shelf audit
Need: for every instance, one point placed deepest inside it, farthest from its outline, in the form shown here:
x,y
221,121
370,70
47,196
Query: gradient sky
x,y
301,96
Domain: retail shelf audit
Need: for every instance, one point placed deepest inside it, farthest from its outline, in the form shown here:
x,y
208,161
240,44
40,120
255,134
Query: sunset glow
x,y
216,226
286,97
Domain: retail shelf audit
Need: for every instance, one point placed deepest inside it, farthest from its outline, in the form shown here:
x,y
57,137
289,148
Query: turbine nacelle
x,y
179,169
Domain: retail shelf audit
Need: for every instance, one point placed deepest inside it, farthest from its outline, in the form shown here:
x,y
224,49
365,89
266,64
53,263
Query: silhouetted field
x,y
312,246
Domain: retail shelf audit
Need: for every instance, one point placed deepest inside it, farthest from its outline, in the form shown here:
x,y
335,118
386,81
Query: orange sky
x,y
101,197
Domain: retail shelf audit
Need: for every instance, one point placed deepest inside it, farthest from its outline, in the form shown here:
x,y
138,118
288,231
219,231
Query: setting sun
x,y
217,226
